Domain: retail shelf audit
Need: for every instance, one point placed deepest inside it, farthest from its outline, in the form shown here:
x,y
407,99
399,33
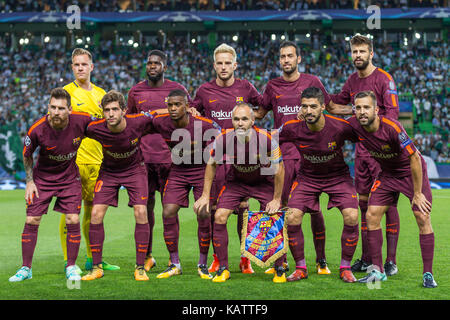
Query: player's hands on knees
x,y
273,206
201,206
422,203
30,192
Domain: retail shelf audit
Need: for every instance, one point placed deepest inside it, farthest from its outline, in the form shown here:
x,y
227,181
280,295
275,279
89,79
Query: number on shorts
x,y
98,186
375,186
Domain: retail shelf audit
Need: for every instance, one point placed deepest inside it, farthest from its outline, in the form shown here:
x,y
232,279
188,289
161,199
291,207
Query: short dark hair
x,y
360,39
177,93
313,92
114,96
288,43
158,53
367,93
60,93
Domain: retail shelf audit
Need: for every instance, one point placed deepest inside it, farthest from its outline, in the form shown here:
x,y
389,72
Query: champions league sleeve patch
x,y
404,140
264,237
27,141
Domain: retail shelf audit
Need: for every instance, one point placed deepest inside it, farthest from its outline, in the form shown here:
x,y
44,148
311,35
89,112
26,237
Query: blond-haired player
x,y
86,97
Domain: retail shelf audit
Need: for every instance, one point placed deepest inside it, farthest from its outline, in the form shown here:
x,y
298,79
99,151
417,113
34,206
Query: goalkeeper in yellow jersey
x,y
86,97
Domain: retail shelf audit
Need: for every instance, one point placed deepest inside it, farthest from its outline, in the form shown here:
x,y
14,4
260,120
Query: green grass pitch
x,y
49,280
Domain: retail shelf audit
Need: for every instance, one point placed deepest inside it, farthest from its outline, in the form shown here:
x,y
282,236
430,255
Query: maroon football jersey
x,y
187,144
390,146
216,103
284,99
121,151
321,152
56,165
250,161
143,98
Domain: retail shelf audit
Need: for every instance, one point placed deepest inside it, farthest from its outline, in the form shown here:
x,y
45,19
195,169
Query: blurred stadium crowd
x,y
193,5
29,73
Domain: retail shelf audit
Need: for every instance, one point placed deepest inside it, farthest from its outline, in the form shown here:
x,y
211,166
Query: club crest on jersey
x,y
239,99
332,145
134,142
76,141
386,148
166,99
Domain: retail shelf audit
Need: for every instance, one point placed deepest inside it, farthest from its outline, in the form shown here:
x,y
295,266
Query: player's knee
x,y
351,217
221,216
72,218
295,217
423,222
33,220
140,213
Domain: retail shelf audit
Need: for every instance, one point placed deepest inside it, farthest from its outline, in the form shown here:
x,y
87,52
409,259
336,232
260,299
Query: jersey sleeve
x,y
275,155
197,103
255,98
390,98
405,142
343,97
266,98
30,143
131,103
320,85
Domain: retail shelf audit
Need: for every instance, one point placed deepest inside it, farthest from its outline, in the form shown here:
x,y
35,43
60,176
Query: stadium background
x,y
36,42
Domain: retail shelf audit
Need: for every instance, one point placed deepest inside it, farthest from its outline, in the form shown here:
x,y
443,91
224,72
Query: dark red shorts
x,y
291,167
68,199
157,176
234,192
305,194
134,180
180,182
386,189
367,170
219,181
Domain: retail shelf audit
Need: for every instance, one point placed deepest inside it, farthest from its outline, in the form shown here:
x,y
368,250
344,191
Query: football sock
x,y
151,224
349,240
280,260
96,237
392,232
318,229
240,222
365,245
213,211
296,244
85,223
141,236
204,238
220,242
171,235
375,240
427,250
29,239
73,243
63,235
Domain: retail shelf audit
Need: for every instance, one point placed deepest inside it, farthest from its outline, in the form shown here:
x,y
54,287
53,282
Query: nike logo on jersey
x,y
211,101
277,97
303,146
50,148
141,101
361,139
107,145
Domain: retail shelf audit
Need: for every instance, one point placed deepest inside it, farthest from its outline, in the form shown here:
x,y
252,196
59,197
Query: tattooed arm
x,y
30,189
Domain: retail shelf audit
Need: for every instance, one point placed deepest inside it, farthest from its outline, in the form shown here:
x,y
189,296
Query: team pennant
x,y
264,237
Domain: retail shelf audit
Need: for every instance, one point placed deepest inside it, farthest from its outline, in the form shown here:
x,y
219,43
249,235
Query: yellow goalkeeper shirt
x,y
90,151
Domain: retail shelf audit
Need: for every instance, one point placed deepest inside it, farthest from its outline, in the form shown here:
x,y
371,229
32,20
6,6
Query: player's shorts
x,y
305,194
157,177
386,189
134,180
89,175
180,182
291,167
219,181
367,170
234,192
68,199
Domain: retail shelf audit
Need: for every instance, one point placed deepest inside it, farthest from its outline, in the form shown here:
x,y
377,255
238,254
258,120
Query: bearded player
x,y
215,100
282,97
86,97
369,77
403,170
151,96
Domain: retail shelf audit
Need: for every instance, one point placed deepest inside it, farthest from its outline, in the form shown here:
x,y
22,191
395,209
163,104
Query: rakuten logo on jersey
x,y
221,115
288,109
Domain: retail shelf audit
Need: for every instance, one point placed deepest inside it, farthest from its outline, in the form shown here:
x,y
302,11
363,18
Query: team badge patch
x,y
76,141
239,99
332,145
386,148
264,237
134,142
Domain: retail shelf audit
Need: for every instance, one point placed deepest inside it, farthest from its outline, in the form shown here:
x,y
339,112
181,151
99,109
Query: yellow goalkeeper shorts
x,y
89,175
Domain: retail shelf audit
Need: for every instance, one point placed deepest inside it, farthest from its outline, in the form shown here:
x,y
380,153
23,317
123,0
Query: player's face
x,y
361,56
58,113
312,110
365,111
155,68
224,66
113,114
82,67
177,107
242,120
289,60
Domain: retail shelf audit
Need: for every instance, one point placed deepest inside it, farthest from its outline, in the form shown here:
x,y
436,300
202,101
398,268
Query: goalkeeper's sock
x,y
73,243
63,235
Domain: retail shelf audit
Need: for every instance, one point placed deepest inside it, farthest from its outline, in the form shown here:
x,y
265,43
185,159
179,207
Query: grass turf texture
x,y
49,279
